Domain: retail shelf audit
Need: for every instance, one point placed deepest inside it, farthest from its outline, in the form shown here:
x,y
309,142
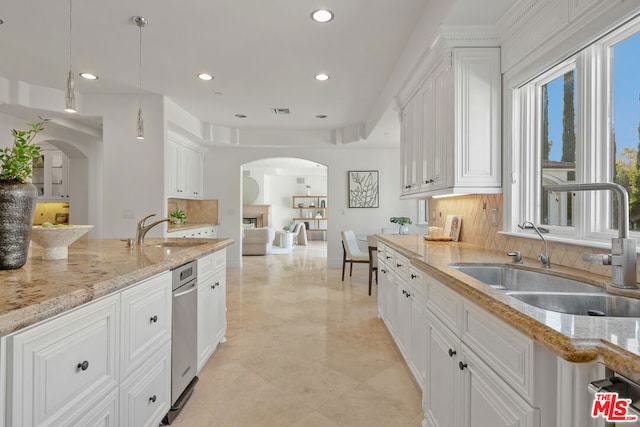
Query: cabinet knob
x,y
462,366
154,319
404,292
83,366
408,294
388,257
452,352
398,265
152,399
383,270
413,276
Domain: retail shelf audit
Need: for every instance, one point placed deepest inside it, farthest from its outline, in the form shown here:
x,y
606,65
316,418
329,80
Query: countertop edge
x,y
26,316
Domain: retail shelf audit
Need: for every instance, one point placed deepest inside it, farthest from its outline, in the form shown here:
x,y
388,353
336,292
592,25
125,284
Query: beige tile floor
x,y
304,349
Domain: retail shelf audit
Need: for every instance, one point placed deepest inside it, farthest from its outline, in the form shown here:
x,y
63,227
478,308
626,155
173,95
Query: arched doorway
x,y
281,192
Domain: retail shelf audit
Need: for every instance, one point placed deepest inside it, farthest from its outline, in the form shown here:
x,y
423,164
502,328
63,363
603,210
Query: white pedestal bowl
x,y
55,241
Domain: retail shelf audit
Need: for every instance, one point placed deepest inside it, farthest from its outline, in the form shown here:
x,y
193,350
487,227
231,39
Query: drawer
x,y
509,353
445,304
386,255
210,264
59,366
103,412
417,281
401,266
146,321
145,397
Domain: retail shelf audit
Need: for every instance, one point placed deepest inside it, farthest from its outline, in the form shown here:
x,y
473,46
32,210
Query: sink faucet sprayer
x,y
623,249
543,257
142,229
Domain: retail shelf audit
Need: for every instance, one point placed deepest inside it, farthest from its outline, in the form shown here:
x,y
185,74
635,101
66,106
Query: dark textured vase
x,y
17,206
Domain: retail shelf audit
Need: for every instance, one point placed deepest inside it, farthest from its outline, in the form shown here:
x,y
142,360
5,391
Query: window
x,y
580,122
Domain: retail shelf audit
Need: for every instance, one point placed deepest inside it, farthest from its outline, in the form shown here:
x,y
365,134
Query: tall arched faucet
x,y
623,259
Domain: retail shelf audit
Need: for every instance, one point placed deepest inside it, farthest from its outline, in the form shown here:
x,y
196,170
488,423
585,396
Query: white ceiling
x,y
262,54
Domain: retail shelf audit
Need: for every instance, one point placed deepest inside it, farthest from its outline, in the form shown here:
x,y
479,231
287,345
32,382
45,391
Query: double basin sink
x,y
550,292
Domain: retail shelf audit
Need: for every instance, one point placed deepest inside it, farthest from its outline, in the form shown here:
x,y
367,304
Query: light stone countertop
x,y
615,341
94,268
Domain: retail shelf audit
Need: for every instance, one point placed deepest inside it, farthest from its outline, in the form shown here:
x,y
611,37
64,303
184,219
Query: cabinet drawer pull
x,y
462,366
404,292
408,294
152,399
154,319
388,257
83,366
452,352
398,265
413,276
383,270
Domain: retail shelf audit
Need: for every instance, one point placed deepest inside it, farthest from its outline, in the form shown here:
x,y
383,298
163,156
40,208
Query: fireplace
x,y
259,215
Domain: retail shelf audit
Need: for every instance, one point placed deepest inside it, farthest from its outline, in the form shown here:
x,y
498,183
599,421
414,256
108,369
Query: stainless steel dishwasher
x,y
184,332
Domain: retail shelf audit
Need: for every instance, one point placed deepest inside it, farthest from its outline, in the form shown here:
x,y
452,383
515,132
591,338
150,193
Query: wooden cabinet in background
x,y
314,211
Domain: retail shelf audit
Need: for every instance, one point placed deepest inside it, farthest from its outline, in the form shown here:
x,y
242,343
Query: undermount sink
x,y
510,278
176,244
581,304
549,292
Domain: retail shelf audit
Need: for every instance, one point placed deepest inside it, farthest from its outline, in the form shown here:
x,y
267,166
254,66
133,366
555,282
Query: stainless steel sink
x,y
581,304
175,244
508,278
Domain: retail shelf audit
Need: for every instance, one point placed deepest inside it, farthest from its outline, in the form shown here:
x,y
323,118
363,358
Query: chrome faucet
x,y
622,258
142,229
543,257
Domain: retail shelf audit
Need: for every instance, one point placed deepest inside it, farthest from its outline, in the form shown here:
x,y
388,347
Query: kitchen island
x,y
488,346
87,340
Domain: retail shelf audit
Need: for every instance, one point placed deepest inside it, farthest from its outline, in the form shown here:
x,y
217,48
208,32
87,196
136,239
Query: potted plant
x,y
17,196
402,222
178,216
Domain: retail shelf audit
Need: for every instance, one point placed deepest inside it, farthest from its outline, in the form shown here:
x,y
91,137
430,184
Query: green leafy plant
x,y
287,228
16,161
179,215
400,220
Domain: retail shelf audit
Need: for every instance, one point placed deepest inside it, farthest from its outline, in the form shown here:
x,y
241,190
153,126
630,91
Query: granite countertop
x,y
615,341
94,268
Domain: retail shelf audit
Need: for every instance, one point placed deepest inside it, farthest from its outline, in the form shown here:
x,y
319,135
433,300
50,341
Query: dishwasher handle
x,y
185,289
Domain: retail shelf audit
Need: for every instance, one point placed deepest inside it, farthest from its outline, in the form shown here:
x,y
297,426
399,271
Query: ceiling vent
x,y
281,111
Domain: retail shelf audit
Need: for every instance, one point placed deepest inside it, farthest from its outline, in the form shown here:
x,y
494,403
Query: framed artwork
x,y
363,189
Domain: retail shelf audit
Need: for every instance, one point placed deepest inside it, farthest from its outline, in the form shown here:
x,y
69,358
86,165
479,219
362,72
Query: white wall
x,y
133,170
222,177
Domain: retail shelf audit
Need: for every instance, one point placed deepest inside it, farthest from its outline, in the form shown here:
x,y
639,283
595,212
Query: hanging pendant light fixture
x,y
141,23
70,91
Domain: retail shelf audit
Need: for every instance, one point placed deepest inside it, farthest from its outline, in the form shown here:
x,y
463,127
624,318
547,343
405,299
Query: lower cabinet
x,y
474,369
212,305
146,395
104,363
463,391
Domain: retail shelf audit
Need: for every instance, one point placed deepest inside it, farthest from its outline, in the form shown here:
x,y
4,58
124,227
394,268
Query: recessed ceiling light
x,y
241,116
88,76
321,116
205,76
322,15
322,77
217,93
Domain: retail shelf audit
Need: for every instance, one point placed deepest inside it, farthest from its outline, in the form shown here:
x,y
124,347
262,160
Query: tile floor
x,y
303,350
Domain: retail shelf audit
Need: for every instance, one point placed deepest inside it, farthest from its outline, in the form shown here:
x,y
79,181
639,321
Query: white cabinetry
x,y
61,369
212,307
450,131
209,232
474,369
184,166
51,175
104,363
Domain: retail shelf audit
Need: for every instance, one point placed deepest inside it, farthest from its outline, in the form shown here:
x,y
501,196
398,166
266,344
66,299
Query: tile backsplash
x,y
477,229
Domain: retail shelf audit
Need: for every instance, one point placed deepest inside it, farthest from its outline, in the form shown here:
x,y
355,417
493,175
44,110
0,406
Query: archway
x,y
289,191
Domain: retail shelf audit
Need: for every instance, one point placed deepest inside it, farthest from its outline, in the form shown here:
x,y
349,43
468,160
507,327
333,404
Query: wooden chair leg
x,y
370,271
344,260
351,269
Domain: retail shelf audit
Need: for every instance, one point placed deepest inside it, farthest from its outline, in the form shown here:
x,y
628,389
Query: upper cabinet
x,y
185,164
50,175
450,126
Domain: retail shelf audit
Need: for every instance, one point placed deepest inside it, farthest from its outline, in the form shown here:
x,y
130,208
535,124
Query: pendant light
x,y
70,91
141,23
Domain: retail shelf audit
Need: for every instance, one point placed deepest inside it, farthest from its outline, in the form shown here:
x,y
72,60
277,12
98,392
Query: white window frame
x,y
592,212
